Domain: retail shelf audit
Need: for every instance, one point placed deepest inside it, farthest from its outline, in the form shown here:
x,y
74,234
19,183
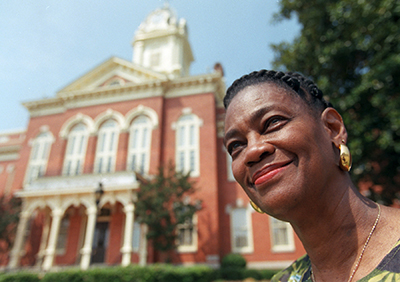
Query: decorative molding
x,y
71,122
152,87
141,110
109,114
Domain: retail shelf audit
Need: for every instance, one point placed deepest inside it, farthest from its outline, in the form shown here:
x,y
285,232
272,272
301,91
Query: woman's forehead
x,y
261,94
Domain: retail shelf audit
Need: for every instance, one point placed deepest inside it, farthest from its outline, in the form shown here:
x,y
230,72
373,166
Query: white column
x,y
43,240
17,250
56,216
126,249
86,251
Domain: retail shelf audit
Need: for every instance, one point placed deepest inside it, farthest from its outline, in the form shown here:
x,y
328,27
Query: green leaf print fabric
x,y
388,270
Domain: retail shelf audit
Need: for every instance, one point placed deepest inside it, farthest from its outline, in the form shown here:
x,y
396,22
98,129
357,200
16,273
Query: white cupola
x,y
161,44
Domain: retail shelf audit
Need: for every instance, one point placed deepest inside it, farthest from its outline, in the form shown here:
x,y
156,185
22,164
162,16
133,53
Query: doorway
x,y
100,238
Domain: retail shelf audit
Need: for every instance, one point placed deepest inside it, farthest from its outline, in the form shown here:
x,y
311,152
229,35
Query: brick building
x,y
121,117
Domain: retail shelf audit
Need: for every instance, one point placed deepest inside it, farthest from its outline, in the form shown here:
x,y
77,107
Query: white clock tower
x,y
161,44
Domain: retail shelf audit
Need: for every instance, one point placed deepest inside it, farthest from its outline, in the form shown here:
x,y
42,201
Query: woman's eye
x,y
234,146
274,123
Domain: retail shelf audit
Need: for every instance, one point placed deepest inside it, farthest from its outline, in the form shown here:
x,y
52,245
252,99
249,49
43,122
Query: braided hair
x,y
291,81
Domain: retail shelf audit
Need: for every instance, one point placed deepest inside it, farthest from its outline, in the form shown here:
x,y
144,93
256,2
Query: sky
x,y
47,44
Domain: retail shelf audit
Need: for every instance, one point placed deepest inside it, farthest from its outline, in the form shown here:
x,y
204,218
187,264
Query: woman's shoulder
x,y
388,269
296,272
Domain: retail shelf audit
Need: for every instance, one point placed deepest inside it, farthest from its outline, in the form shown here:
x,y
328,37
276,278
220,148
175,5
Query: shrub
x,y
19,277
134,273
233,261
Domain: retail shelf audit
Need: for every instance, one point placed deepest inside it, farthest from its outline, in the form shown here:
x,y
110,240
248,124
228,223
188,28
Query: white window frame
x,y
239,230
187,139
107,145
155,59
39,156
229,171
189,227
277,225
76,150
140,133
136,236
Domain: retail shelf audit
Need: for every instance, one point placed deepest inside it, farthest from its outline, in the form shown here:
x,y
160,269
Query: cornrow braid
x,y
304,87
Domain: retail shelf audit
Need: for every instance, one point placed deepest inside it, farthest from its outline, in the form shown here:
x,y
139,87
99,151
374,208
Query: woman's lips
x,y
267,173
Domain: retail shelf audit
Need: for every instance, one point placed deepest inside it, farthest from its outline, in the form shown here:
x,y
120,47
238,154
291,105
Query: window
x,y
187,145
229,167
139,145
106,149
241,230
76,149
39,156
62,236
281,236
155,59
136,236
187,235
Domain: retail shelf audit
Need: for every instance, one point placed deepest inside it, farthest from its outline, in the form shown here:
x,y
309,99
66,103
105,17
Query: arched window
x,y
139,144
39,156
187,144
106,149
76,150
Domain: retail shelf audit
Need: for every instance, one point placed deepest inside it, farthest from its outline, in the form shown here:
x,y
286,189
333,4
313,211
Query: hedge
x,y
151,273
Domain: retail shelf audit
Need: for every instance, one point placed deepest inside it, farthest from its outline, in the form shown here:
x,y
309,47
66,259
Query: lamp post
x,y
98,194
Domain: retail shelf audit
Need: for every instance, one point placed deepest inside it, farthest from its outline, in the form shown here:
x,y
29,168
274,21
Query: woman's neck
x,y
335,230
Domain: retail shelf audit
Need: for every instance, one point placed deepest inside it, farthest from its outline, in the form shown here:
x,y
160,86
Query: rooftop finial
x,y
166,3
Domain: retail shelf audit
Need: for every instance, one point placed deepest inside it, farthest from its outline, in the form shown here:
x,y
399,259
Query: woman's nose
x,y
256,150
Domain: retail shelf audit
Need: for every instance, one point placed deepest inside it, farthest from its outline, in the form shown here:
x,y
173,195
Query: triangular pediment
x,y
112,73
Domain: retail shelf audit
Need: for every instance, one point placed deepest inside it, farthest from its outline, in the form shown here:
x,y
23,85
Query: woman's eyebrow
x,y
253,118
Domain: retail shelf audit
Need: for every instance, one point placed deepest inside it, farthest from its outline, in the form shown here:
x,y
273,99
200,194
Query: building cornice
x,y
183,86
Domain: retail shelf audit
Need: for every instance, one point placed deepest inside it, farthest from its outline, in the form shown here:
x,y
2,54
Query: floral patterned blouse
x,y
387,270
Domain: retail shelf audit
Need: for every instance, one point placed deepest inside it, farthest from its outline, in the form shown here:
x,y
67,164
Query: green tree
x,y
351,49
10,208
164,203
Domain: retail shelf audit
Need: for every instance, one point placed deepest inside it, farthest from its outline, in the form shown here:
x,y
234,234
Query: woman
x,y
289,155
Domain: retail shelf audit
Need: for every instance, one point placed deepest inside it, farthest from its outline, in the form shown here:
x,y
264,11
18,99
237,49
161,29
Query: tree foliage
x,y
351,49
10,208
164,203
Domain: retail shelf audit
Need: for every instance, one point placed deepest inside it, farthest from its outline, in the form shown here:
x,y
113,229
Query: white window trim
x,y
250,248
106,154
136,235
44,142
76,156
139,152
290,247
71,122
229,172
197,123
194,247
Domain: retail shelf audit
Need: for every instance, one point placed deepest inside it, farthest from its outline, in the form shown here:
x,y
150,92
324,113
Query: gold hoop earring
x,y
255,207
345,157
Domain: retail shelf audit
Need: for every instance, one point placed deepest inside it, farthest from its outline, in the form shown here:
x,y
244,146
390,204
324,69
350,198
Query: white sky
x,y
47,44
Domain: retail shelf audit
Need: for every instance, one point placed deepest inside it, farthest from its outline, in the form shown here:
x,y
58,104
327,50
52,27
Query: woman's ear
x,y
334,126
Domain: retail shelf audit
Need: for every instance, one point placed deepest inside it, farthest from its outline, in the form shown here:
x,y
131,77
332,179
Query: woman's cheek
x,y
238,171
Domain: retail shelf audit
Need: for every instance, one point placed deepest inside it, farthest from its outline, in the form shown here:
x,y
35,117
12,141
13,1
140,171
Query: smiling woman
x,y
289,155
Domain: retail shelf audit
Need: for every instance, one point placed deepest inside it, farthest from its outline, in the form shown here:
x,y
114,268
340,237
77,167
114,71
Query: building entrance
x,y
100,242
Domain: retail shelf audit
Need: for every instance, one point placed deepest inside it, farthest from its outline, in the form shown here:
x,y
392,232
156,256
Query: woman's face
x,y
279,147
